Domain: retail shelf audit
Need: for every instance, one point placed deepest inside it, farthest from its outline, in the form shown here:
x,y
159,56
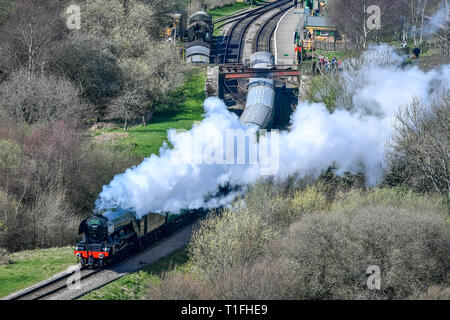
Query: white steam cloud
x,y
353,137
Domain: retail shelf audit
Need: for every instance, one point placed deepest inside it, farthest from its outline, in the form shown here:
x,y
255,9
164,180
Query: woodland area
x,y
298,238
402,20
54,84
313,238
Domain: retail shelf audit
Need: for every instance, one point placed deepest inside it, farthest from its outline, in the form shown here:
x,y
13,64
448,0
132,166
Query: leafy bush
x,y
232,238
331,252
399,197
271,203
325,252
309,200
178,286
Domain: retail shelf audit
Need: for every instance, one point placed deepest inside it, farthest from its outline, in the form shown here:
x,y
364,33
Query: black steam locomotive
x,y
199,35
116,233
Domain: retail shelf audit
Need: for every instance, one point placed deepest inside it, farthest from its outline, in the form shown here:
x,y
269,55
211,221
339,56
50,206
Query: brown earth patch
x,y
110,136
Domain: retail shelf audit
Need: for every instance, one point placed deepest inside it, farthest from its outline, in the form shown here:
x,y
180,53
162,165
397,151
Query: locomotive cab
x,y
96,230
113,234
95,247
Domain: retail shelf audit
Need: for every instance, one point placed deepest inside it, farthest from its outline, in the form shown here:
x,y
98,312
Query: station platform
x,y
284,36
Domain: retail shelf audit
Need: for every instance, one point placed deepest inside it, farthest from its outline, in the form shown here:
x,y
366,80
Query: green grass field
x,y
185,107
226,11
229,9
31,266
134,286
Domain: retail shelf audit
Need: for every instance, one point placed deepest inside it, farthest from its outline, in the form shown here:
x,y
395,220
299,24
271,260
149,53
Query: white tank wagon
x,y
259,108
198,52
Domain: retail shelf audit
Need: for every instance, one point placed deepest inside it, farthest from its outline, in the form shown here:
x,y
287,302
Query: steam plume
x,y
353,137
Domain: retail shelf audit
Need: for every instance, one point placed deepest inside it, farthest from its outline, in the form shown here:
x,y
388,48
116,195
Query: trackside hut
x,y
321,30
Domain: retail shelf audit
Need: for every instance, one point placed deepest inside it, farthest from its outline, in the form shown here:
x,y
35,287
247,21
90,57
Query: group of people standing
x,y
324,64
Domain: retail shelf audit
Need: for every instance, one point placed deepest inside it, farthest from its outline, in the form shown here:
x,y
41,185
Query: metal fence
x,y
335,46
443,46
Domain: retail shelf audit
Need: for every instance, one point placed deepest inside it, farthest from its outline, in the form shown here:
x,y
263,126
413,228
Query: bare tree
x,y
32,26
133,101
420,148
39,98
166,73
91,64
405,16
146,83
351,17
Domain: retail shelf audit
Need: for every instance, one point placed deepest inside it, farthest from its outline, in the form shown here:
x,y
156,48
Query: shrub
x,y
178,286
91,64
433,293
309,200
263,280
50,177
55,223
331,252
232,238
267,279
399,197
271,203
39,99
4,256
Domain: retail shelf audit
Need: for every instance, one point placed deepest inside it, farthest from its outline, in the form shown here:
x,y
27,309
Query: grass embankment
x,y
134,286
185,106
32,266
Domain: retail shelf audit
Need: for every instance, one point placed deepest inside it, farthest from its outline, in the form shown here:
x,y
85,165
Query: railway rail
x,y
59,287
55,285
267,30
235,39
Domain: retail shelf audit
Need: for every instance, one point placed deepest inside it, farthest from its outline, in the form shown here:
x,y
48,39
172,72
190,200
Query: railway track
x,y
60,287
55,285
265,33
235,39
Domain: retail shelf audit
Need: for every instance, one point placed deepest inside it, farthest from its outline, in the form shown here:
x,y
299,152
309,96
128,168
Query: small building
x,y
320,29
176,26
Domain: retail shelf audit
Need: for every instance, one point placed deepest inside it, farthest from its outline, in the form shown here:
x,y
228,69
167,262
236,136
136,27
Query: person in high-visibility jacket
x,y
298,50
